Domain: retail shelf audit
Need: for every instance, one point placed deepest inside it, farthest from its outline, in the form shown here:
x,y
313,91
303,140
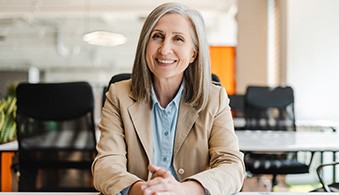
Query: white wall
x,y
312,62
313,57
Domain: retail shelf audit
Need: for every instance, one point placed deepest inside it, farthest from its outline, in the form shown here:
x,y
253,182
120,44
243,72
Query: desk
x,y
318,125
268,141
9,147
288,141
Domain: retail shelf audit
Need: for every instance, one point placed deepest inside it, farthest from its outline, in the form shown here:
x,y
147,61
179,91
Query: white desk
x,y
284,141
289,141
318,125
9,147
267,141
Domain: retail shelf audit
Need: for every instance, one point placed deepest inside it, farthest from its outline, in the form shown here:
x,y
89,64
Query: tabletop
x,y
267,141
285,141
9,146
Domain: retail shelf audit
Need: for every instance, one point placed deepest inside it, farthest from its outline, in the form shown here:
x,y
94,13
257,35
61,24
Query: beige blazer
x,y
206,148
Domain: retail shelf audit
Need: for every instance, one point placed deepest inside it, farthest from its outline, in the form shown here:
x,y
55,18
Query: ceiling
x,y
47,34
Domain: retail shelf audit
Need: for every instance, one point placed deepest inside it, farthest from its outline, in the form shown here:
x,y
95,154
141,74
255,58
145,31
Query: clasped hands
x,y
162,182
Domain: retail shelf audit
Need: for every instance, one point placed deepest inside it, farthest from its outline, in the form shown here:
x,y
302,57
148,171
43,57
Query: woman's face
x,y
170,48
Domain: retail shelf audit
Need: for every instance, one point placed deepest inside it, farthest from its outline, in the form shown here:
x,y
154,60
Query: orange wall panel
x,y
223,65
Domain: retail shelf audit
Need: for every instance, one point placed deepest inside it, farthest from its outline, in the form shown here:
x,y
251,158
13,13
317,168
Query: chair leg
x,y
274,182
27,180
268,185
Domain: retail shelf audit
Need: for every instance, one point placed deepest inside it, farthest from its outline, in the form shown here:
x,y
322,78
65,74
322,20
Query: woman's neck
x,y
166,91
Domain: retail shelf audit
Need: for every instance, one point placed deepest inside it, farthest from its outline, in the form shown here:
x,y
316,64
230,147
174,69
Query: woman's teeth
x,y
166,61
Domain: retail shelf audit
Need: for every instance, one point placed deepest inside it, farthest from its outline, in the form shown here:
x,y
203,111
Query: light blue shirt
x,y
164,123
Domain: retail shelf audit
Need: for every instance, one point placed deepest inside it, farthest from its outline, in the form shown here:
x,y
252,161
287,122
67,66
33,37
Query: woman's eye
x,y
157,36
178,39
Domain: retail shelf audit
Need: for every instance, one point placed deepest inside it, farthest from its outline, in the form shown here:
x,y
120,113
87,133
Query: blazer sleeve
x,y
109,167
227,170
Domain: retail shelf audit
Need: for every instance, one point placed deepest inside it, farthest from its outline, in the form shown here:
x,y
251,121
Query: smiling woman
x,y
168,108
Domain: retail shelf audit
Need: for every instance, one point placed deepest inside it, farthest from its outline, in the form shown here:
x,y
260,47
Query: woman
x,y
168,129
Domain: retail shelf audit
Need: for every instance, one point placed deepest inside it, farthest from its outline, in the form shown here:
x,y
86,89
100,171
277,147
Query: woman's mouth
x,y
166,61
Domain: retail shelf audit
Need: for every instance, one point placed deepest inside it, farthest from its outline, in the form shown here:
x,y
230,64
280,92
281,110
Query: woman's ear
x,y
193,56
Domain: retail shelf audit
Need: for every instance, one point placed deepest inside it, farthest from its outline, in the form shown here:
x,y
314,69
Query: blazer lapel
x,y
186,118
142,120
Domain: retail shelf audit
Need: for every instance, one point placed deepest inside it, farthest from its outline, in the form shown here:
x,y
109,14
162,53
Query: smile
x,y
166,61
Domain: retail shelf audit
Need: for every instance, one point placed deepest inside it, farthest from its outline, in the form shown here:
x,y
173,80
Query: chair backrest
x,y
216,79
55,123
115,78
46,104
125,76
237,105
269,108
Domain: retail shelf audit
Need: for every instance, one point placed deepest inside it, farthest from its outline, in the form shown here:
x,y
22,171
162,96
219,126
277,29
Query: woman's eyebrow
x,y
175,32
157,30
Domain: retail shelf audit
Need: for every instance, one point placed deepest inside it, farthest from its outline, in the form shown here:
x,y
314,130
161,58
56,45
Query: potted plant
x,y
7,115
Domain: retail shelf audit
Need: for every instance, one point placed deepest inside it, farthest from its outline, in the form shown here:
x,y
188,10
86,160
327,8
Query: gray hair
x,y
197,76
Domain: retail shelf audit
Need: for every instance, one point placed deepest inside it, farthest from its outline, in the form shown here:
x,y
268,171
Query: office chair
x,y
115,78
272,108
125,76
56,136
237,105
215,79
326,186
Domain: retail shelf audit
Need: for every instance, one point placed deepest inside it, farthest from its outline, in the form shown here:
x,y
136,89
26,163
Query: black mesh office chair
x,y
326,186
216,79
124,76
269,108
115,78
237,104
56,136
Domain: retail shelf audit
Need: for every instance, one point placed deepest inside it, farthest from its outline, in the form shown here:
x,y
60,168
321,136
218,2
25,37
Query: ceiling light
x,y
104,38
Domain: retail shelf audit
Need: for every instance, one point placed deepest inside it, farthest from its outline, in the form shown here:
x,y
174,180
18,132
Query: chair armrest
x,y
320,176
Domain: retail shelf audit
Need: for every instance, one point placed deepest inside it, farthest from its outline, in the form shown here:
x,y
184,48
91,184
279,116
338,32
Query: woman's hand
x,y
162,182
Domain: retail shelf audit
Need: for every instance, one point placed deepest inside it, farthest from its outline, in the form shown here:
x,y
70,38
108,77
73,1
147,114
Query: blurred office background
x,y
276,42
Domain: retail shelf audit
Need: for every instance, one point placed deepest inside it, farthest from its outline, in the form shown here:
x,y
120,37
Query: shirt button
x,y
181,171
164,159
166,133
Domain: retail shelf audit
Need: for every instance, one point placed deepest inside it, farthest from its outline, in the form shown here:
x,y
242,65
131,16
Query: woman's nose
x,y
165,48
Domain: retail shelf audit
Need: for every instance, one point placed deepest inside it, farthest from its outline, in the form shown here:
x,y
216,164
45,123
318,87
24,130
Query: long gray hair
x,y
197,76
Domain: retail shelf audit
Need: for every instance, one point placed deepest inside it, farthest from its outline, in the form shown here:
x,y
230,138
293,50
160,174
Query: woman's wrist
x,y
135,188
193,187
